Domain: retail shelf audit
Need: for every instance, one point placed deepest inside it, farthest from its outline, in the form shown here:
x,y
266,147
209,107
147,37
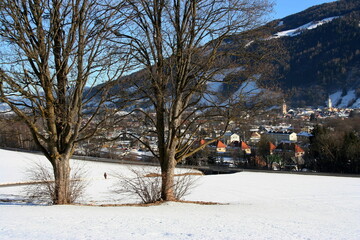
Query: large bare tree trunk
x,y
62,192
167,175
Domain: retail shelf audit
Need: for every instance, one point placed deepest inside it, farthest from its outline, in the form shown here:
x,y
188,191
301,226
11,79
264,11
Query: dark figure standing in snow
x,y
105,175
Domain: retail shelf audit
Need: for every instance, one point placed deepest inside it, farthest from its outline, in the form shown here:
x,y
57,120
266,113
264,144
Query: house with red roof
x,y
299,152
288,147
271,148
220,147
244,147
291,154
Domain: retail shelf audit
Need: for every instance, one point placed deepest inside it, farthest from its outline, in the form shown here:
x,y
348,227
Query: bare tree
x,y
42,187
179,44
144,184
53,52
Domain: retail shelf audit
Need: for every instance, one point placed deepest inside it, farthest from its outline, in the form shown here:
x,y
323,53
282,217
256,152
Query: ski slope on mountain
x,y
348,100
299,30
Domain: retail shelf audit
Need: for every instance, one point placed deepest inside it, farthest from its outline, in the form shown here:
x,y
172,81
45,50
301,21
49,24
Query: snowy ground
x,y
255,206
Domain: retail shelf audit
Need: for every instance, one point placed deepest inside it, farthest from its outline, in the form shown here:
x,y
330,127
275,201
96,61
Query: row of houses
x,y
276,136
283,145
281,148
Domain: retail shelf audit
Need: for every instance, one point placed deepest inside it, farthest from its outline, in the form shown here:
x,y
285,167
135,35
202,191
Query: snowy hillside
x,y
253,206
348,100
299,30
247,89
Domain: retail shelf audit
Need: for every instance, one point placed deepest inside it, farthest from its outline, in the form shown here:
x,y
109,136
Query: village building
x,y
230,137
220,147
291,154
271,148
234,137
284,136
284,108
255,137
244,147
291,149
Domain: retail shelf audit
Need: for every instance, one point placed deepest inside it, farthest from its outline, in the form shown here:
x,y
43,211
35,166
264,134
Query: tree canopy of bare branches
x,y
179,45
52,53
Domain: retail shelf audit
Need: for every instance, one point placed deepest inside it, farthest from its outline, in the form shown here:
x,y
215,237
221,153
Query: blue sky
x,y
284,8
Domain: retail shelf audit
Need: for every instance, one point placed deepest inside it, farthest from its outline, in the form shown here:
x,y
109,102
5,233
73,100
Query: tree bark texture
x,y
167,176
62,192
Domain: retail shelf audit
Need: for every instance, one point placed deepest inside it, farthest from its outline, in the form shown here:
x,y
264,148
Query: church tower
x,y
284,108
329,103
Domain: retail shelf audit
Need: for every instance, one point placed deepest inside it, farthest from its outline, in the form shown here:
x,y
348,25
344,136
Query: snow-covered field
x,y
254,206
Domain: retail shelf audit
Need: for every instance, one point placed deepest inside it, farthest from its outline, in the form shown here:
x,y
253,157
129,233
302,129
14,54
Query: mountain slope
x,y
320,57
324,59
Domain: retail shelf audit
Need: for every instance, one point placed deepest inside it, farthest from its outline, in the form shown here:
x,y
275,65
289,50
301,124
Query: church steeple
x,y
329,103
284,108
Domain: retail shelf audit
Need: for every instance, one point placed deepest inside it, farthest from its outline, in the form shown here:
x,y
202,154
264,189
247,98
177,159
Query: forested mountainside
x,y
323,45
315,54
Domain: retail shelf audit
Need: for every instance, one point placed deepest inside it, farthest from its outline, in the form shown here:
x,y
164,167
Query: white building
x,y
283,136
231,137
234,138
